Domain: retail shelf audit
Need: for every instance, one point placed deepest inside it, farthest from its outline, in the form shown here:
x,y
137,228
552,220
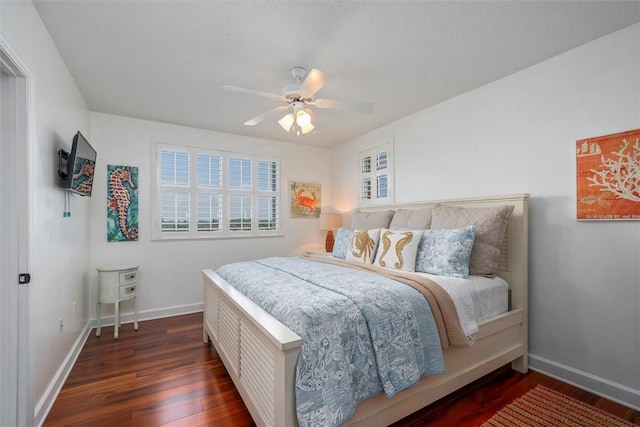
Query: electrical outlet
x,y
60,325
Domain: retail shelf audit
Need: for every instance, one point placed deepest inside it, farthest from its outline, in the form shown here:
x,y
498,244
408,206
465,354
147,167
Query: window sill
x,y
209,237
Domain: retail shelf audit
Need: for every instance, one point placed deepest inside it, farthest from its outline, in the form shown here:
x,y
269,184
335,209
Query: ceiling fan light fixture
x,y
307,128
298,99
303,118
287,122
298,122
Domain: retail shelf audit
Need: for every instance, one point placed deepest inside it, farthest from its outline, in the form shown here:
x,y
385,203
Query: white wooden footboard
x,y
260,353
498,342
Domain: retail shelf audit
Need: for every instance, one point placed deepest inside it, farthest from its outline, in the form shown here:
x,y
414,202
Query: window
x,y
382,188
376,180
365,190
203,193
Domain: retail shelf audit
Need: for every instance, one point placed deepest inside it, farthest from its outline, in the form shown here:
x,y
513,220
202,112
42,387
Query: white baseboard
x,y
160,313
51,393
49,397
619,393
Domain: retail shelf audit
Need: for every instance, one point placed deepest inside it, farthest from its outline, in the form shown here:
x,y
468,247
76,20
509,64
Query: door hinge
x,y
24,278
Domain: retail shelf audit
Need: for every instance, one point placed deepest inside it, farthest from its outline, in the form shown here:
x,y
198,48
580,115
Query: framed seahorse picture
x,y
305,199
122,203
608,177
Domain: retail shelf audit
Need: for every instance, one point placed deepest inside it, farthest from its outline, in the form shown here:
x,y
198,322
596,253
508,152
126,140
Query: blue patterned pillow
x,y
342,241
446,252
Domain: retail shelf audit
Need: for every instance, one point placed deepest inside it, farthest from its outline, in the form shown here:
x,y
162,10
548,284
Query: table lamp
x,y
329,221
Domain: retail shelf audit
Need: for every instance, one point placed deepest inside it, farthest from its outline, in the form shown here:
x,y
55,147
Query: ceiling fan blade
x,y
313,82
261,117
335,104
253,92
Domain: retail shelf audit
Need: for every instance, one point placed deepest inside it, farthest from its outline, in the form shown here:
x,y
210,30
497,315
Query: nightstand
x,y
116,283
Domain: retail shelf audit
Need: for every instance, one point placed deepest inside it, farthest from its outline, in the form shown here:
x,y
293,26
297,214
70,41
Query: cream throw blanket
x,y
442,306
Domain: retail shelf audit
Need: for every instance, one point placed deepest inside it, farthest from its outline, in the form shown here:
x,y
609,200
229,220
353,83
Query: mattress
x,y
476,298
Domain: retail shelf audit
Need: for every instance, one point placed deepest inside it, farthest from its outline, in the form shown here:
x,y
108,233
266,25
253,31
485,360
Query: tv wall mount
x,y
62,156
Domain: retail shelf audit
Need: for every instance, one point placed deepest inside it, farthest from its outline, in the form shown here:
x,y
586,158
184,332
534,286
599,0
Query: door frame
x,y
16,134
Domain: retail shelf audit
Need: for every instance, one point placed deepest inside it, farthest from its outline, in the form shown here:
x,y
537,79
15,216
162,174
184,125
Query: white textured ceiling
x,y
168,60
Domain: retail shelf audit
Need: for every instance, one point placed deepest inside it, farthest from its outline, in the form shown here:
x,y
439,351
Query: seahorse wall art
x,y
122,203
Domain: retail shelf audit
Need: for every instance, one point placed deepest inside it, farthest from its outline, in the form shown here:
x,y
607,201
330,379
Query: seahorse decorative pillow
x,y
397,249
363,245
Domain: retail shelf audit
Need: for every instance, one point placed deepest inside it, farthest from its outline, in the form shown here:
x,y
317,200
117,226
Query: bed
x,y
260,353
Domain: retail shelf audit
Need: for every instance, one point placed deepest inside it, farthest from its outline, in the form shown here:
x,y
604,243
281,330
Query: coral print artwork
x,y
305,200
608,177
122,203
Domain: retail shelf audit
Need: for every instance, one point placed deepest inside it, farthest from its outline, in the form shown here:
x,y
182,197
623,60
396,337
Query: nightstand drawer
x,y
127,277
127,291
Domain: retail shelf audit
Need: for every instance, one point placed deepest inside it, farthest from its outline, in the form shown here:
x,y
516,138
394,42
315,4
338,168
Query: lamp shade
x,y
286,122
298,121
329,221
303,118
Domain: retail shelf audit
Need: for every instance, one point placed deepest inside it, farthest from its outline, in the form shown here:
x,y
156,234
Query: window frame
x,y
373,173
225,192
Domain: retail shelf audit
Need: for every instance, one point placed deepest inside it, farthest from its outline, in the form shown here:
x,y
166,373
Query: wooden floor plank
x,y
163,374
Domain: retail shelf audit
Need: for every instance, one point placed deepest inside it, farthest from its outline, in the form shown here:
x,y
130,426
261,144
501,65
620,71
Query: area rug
x,y
543,407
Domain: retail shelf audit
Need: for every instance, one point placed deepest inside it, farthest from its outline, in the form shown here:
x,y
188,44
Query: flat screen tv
x,y
77,175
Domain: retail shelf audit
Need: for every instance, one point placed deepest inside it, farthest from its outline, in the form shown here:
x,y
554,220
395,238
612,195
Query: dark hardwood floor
x,y
163,374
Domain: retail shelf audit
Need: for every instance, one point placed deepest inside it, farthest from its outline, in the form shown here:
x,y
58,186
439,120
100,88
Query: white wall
x,y
170,281
59,247
519,135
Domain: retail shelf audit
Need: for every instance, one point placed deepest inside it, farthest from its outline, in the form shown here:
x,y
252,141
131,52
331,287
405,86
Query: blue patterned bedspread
x,y
363,334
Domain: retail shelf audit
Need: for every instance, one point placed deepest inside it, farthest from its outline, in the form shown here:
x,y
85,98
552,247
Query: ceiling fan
x,y
298,97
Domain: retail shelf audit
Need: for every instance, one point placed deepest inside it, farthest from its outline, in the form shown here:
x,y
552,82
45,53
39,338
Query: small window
x,y
175,167
365,191
383,189
175,211
268,213
209,212
239,174
382,160
240,213
366,165
209,171
267,176
376,184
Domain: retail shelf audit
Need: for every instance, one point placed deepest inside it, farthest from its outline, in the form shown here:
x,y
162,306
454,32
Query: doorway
x,y
16,407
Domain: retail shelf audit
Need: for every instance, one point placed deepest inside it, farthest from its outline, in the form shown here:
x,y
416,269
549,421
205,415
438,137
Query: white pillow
x,y
398,249
363,245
